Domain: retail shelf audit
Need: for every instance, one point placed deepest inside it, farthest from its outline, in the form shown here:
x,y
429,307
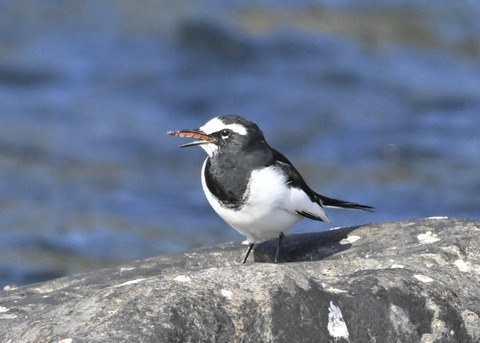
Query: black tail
x,y
329,202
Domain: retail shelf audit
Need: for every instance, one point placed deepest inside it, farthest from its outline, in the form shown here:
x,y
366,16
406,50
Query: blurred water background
x,y
376,102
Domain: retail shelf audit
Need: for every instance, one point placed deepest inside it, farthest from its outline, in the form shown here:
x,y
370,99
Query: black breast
x,y
227,182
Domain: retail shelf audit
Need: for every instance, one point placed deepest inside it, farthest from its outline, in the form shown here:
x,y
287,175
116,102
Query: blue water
x,y
375,102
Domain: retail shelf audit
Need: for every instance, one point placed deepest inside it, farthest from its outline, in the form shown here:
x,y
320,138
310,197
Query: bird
x,y
253,187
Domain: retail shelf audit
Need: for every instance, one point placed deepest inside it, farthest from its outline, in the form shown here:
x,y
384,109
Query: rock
x,y
409,281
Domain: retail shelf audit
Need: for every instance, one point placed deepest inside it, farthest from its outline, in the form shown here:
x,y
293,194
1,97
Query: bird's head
x,y
226,133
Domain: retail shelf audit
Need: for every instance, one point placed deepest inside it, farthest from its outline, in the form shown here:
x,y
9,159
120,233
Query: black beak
x,y
202,137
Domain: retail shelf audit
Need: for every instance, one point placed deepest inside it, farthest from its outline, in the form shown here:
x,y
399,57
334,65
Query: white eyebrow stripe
x,y
217,124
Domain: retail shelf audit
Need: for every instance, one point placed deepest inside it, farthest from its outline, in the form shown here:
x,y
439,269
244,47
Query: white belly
x,y
270,208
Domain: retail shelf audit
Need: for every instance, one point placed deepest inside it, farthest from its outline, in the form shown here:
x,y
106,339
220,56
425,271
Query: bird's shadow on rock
x,y
305,246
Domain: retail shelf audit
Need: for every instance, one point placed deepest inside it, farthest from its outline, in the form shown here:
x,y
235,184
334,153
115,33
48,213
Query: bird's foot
x,y
250,247
280,240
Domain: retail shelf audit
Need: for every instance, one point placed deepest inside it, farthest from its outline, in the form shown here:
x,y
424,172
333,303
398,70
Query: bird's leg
x,y
280,240
250,247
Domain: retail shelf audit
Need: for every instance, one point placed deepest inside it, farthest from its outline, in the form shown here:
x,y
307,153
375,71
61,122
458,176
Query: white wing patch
x,y
300,202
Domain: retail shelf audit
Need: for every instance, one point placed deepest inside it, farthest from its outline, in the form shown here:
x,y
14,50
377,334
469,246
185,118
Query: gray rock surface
x,y
409,281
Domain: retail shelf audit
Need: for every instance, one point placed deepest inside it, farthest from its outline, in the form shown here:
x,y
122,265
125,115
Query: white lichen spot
x,y
438,328
9,288
43,290
423,278
397,266
472,323
131,282
8,316
336,290
183,278
350,239
428,238
66,340
226,293
476,268
336,325
4,309
400,320
426,338
462,266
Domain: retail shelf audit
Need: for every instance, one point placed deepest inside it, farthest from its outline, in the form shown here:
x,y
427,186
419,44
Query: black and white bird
x,y
252,186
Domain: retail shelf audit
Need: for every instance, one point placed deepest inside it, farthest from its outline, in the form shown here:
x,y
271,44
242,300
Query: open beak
x,y
202,137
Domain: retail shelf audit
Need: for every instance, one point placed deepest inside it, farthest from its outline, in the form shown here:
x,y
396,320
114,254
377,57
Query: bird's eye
x,y
225,133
